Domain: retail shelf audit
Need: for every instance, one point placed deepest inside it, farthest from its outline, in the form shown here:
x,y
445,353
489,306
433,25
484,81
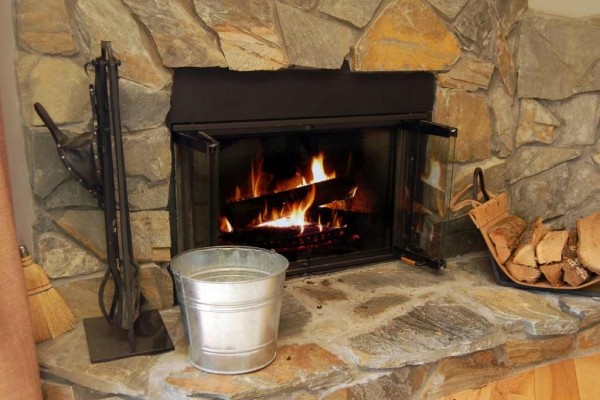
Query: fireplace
x,y
331,169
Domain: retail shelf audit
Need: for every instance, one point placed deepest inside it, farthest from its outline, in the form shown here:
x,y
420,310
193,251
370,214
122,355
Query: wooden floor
x,y
576,379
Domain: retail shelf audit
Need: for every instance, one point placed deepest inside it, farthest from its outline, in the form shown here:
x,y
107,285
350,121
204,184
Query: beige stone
x,y
151,235
550,59
468,112
401,384
536,123
150,232
156,286
476,25
111,20
455,374
531,160
248,33
180,38
450,8
144,195
505,64
589,338
44,27
59,84
470,73
61,257
357,12
407,35
54,391
506,116
296,367
148,153
312,41
519,310
509,12
533,351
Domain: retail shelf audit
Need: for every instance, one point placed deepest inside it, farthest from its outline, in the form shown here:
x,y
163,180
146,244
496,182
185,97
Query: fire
x,y
261,183
318,170
225,225
292,215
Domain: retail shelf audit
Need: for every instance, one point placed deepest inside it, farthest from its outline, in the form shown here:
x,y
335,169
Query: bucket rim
x,y
285,263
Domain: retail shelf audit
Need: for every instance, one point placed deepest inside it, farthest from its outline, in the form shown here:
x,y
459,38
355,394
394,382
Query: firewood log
x,y
553,273
574,273
524,253
550,248
588,247
523,273
505,234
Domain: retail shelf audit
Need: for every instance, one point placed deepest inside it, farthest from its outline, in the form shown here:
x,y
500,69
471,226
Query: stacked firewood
x,y
532,253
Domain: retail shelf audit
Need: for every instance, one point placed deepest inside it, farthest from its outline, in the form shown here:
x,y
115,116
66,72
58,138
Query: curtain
x,y
19,372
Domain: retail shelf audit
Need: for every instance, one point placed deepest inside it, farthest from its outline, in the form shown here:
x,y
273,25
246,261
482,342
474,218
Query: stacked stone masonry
x,y
524,96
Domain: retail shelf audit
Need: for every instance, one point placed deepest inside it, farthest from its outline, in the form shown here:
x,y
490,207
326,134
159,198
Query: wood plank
x,y
556,381
588,383
519,387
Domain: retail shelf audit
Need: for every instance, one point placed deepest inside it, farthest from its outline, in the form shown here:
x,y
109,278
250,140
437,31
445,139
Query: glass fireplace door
x,y
325,198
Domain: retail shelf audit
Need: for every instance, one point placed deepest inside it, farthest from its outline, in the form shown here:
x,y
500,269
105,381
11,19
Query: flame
x,y
225,225
292,215
318,170
261,183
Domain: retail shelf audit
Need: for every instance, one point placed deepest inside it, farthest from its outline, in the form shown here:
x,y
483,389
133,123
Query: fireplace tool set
x,y
123,330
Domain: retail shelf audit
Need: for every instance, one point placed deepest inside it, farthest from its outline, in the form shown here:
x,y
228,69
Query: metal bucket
x,y
230,299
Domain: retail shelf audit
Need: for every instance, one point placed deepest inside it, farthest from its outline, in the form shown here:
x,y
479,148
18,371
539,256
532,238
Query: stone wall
x,y
521,87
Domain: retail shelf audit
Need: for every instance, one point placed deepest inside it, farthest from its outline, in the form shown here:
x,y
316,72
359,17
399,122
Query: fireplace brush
x,y
50,314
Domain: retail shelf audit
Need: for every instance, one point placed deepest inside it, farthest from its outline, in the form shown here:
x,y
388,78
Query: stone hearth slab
x,y
436,329
296,367
353,334
519,310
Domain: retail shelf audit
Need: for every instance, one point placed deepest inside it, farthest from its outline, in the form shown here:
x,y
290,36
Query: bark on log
x,y
523,273
588,247
575,273
553,273
550,248
505,234
524,253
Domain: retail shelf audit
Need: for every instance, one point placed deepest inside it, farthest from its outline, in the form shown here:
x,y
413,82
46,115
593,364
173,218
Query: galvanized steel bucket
x,y
230,299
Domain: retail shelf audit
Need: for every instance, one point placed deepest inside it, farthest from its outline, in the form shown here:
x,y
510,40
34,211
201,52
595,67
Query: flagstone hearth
x,y
387,331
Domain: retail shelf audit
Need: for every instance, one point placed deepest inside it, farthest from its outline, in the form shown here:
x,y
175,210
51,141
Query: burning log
x,y
588,248
550,248
505,234
525,247
247,210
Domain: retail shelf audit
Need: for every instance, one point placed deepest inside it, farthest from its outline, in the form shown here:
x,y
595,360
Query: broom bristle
x,y
50,314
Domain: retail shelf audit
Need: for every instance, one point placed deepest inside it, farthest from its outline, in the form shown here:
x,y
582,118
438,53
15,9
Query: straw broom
x,y
50,314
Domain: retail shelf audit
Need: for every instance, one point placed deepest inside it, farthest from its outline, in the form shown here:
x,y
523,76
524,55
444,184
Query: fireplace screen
x,y
324,198
329,168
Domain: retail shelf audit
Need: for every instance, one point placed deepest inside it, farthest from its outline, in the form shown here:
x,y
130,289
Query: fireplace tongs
x,y
89,158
